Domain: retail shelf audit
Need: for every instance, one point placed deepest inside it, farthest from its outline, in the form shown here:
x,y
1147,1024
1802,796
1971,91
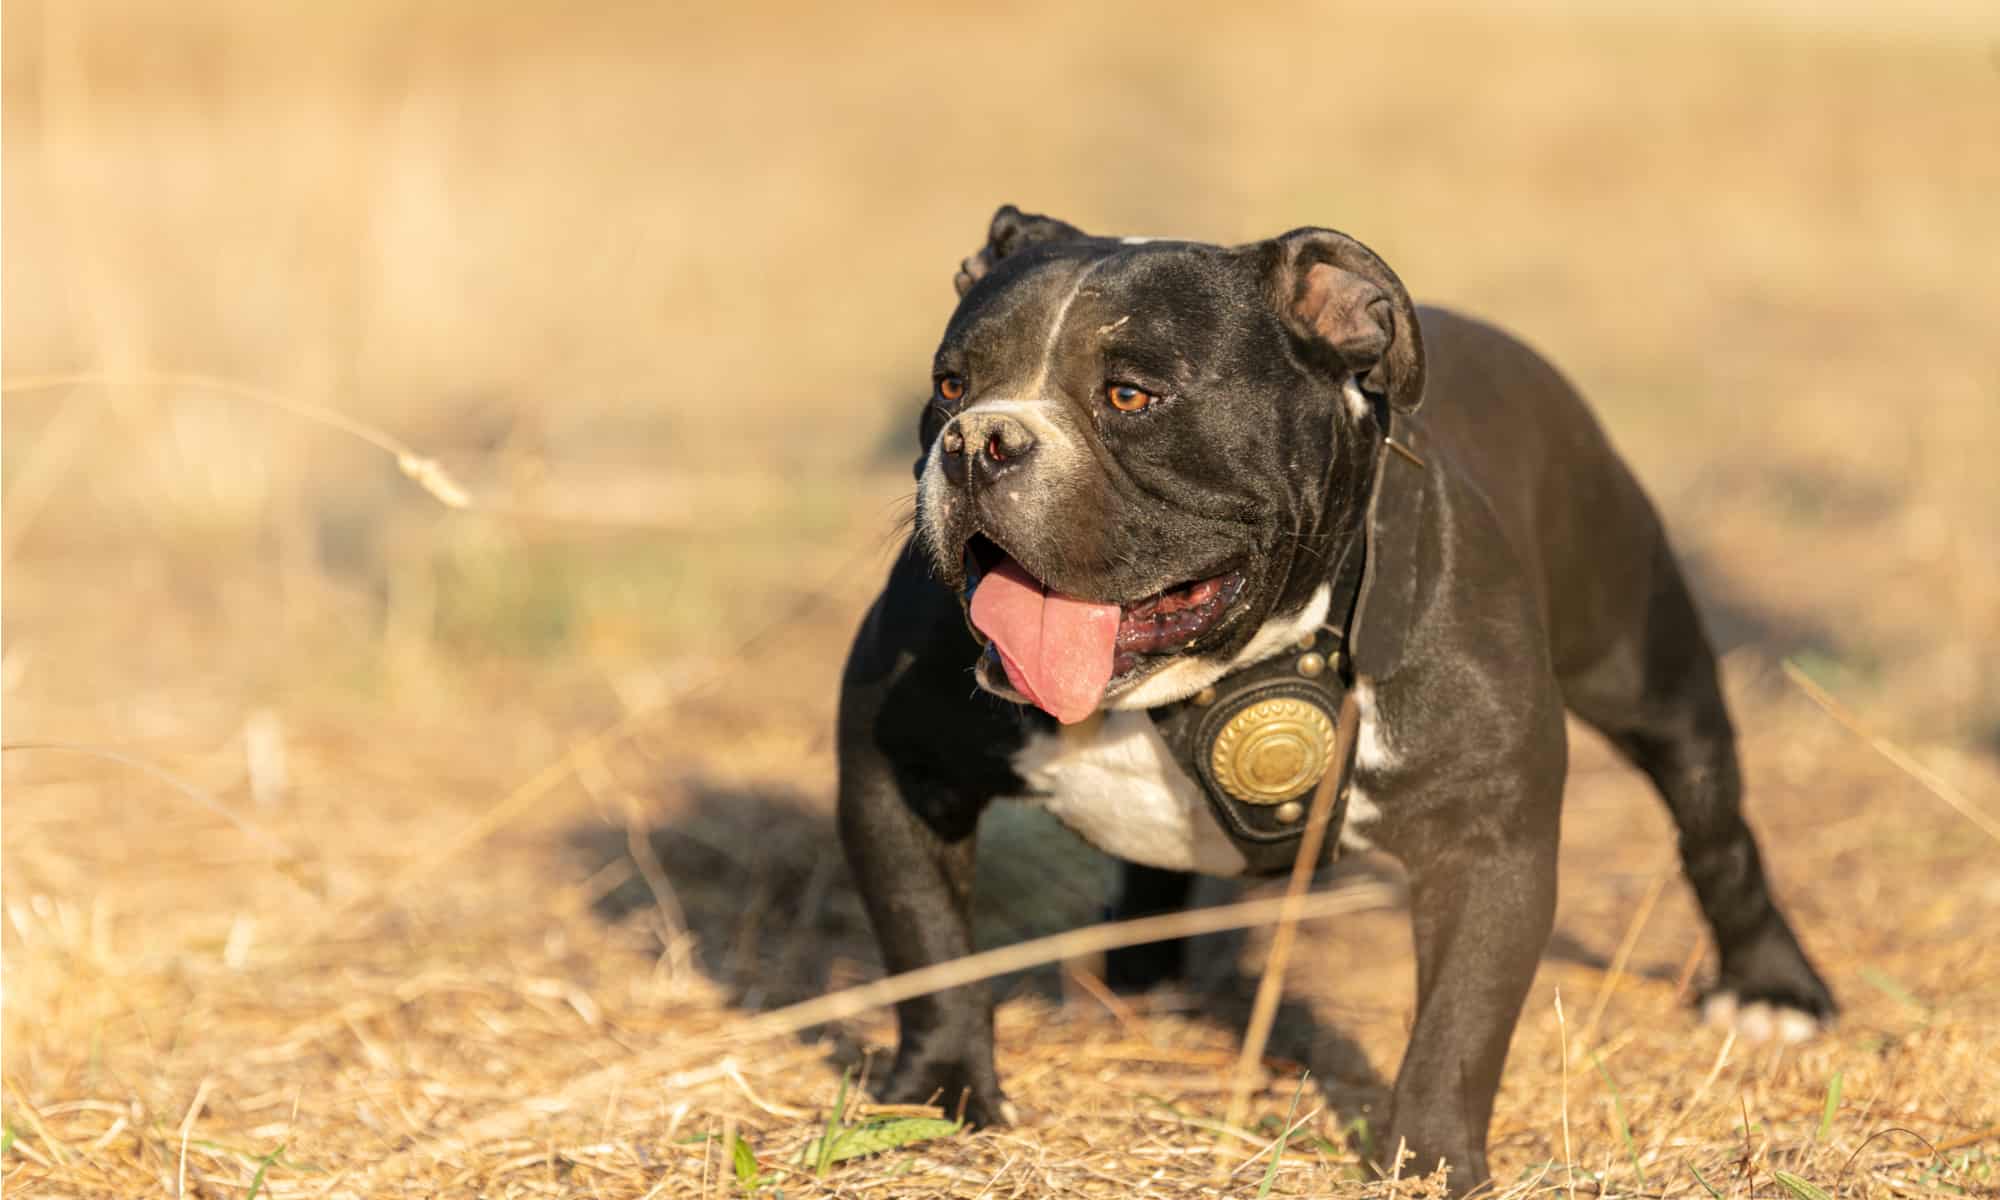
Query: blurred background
x,y
657,286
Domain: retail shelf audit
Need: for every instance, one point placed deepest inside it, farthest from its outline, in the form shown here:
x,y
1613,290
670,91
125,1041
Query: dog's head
x,y
1141,456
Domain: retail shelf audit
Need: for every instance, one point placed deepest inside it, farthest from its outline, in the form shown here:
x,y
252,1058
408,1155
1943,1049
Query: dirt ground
x,y
363,842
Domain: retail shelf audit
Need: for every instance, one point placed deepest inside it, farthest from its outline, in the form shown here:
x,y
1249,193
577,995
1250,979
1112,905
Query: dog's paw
x,y
1768,992
959,1090
1761,1020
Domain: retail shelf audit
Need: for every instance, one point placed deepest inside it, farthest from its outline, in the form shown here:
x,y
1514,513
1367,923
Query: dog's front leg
x,y
912,858
1481,908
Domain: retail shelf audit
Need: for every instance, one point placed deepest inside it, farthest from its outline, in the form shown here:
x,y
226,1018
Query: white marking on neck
x,y
1185,676
1113,780
1357,403
1372,756
1362,813
1371,748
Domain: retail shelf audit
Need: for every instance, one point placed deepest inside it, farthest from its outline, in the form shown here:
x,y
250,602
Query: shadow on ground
x,y
757,877
758,880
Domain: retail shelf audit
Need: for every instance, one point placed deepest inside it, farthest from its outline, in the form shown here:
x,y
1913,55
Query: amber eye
x,y
1128,399
950,388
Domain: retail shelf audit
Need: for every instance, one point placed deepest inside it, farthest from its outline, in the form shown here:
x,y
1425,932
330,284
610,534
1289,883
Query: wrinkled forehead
x,y
1158,294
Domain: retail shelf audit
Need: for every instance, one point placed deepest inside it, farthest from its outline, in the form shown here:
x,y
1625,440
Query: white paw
x,y
1760,1021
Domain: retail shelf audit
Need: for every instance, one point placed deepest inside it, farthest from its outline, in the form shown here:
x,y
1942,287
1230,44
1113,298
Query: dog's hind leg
x,y
1144,892
1658,698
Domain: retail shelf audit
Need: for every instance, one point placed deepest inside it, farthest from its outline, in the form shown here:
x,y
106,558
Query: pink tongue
x,y
1057,649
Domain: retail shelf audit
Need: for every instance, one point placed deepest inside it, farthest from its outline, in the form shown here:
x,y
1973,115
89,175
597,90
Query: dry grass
x,y
536,794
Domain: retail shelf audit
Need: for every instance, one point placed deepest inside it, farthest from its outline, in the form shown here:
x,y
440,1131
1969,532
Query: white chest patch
x,y
1113,781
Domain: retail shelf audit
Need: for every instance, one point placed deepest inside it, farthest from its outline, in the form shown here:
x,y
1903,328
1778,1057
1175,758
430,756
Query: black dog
x,y
1175,496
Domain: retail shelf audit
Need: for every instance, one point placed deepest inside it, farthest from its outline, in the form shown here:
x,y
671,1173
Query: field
x,y
447,447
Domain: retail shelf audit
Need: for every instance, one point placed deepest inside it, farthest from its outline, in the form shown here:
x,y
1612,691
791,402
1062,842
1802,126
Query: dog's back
x,y
1588,539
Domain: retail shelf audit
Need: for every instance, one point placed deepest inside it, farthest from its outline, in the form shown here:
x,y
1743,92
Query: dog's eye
x,y
950,388
1128,399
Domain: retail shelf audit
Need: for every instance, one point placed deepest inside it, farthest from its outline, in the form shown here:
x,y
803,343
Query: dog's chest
x,y
1114,781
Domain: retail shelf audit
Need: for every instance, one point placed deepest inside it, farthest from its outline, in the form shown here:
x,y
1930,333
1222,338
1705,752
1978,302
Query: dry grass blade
x,y
1989,1134
57,1151
187,1131
1693,1104
1276,1147
281,854
1270,988
854,1001
39,478
427,472
733,1071
1930,780
1569,1156
1113,1003
1623,956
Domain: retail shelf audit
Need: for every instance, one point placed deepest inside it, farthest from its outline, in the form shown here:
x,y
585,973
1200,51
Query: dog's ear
x,y
1011,232
1335,293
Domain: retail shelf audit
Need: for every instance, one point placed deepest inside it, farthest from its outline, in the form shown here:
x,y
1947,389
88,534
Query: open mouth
x,y
1171,619
1062,651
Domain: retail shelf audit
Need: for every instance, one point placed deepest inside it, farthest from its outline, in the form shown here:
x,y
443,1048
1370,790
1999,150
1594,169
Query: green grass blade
x,y
1706,1186
263,1164
877,1137
1618,1113
1895,991
1799,1188
1364,1137
1284,1140
745,1161
1832,1103
828,1135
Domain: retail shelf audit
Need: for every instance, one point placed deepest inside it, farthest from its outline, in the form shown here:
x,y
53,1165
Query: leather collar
x,y
1261,738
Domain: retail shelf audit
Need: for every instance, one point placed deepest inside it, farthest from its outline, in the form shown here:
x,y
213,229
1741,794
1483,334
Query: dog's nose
x,y
995,442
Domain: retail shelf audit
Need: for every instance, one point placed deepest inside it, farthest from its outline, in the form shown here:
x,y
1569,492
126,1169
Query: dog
x,y
1197,525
